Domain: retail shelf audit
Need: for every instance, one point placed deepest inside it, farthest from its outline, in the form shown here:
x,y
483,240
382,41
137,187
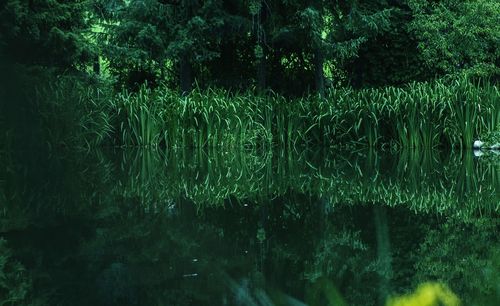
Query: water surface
x,y
197,227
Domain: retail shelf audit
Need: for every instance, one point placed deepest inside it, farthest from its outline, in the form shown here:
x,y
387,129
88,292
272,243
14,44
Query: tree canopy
x,y
45,32
290,46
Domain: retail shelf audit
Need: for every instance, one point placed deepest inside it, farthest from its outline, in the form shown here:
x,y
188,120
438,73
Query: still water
x,y
195,227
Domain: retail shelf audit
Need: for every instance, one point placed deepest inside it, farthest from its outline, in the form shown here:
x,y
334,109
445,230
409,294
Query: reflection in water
x,y
427,294
246,228
423,182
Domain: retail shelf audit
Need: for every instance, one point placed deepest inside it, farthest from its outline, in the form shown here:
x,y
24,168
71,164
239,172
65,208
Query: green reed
x,y
70,113
490,115
417,116
209,119
465,106
449,113
138,118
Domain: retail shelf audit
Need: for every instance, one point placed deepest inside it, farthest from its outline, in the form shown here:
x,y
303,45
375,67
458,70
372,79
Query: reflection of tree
x,y
384,256
465,255
41,187
144,230
15,283
158,259
344,256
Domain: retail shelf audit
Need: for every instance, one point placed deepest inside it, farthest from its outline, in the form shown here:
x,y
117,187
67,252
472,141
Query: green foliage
x,y
42,110
45,33
352,25
391,56
475,260
288,46
144,38
62,122
309,36
215,119
444,113
458,35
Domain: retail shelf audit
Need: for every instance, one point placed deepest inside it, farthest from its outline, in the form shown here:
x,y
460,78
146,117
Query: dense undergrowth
x,y
442,113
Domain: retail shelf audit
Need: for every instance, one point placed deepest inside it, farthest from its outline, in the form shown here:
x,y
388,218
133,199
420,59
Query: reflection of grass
x,y
152,180
422,183
472,247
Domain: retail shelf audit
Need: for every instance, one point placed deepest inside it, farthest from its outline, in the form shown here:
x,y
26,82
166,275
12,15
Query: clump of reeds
x,y
214,118
419,115
67,113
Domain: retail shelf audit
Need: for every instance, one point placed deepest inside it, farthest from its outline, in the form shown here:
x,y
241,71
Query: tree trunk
x,y
185,69
261,74
383,252
261,65
97,65
185,74
319,78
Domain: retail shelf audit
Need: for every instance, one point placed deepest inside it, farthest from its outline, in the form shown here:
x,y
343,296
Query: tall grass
x,y
419,115
68,112
201,119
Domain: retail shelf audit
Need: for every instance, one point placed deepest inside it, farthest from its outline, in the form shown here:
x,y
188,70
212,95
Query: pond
x,y
209,227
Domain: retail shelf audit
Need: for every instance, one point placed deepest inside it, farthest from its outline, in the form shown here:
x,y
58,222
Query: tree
x,y
353,25
45,33
390,57
148,38
324,36
455,36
